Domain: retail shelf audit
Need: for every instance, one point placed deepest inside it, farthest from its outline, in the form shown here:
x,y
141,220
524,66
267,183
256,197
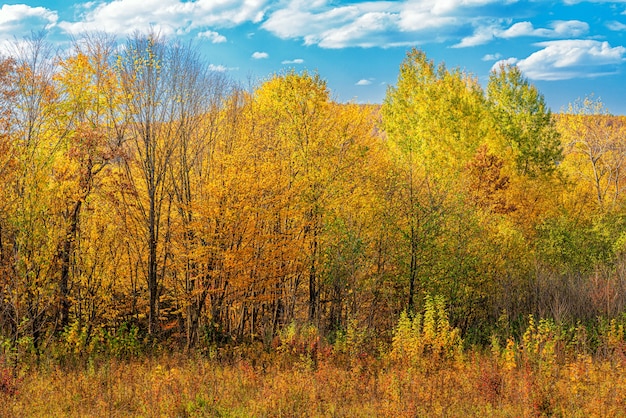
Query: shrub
x,y
303,343
426,337
9,381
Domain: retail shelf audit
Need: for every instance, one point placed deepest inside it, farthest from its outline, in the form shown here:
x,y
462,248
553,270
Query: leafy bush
x,y
121,342
426,338
303,343
9,382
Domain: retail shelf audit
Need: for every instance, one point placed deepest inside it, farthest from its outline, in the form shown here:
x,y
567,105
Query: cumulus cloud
x,y
372,23
166,16
481,35
504,63
388,23
520,29
424,15
567,59
260,55
568,28
325,23
492,57
558,29
214,37
333,27
364,82
20,19
447,6
294,61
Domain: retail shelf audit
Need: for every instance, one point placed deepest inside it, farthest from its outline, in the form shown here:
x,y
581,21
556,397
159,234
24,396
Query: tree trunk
x,y
153,319
65,259
313,291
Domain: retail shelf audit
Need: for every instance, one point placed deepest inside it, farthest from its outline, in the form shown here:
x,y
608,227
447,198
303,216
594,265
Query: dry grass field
x,y
306,377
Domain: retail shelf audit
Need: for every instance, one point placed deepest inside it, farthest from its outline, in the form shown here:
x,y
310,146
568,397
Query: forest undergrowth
x,y
425,370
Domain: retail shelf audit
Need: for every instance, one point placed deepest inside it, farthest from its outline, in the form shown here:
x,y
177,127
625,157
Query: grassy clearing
x,y
284,385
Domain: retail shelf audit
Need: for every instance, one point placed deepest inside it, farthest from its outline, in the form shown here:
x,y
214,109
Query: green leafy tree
x,y
434,122
524,122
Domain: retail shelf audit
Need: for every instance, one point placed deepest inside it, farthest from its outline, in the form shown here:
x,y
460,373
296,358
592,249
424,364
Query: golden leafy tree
x,y
202,96
149,71
321,144
87,120
595,146
8,166
31,227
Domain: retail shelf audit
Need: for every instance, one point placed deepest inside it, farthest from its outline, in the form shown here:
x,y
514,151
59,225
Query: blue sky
x,y
568,49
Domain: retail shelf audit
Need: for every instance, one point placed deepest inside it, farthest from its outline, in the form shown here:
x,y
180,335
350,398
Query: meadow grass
x,y
271,384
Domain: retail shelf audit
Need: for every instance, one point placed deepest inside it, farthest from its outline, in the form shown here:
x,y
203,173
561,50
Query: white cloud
x,y
317,23
325,23
517,30
364,82
13,13
492,57
482,35
260,55
221,68
167,16
423,15
447,6
504,62
214,37
294,61
386,23
372,23
567,59
558,29
569,28
616,26
363,31
218,68
20,19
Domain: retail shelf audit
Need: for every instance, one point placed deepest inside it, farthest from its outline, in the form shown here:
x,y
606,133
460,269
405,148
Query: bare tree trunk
x,y
65,259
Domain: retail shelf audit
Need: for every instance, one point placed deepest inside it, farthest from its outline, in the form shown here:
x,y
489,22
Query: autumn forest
x,y
152,207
